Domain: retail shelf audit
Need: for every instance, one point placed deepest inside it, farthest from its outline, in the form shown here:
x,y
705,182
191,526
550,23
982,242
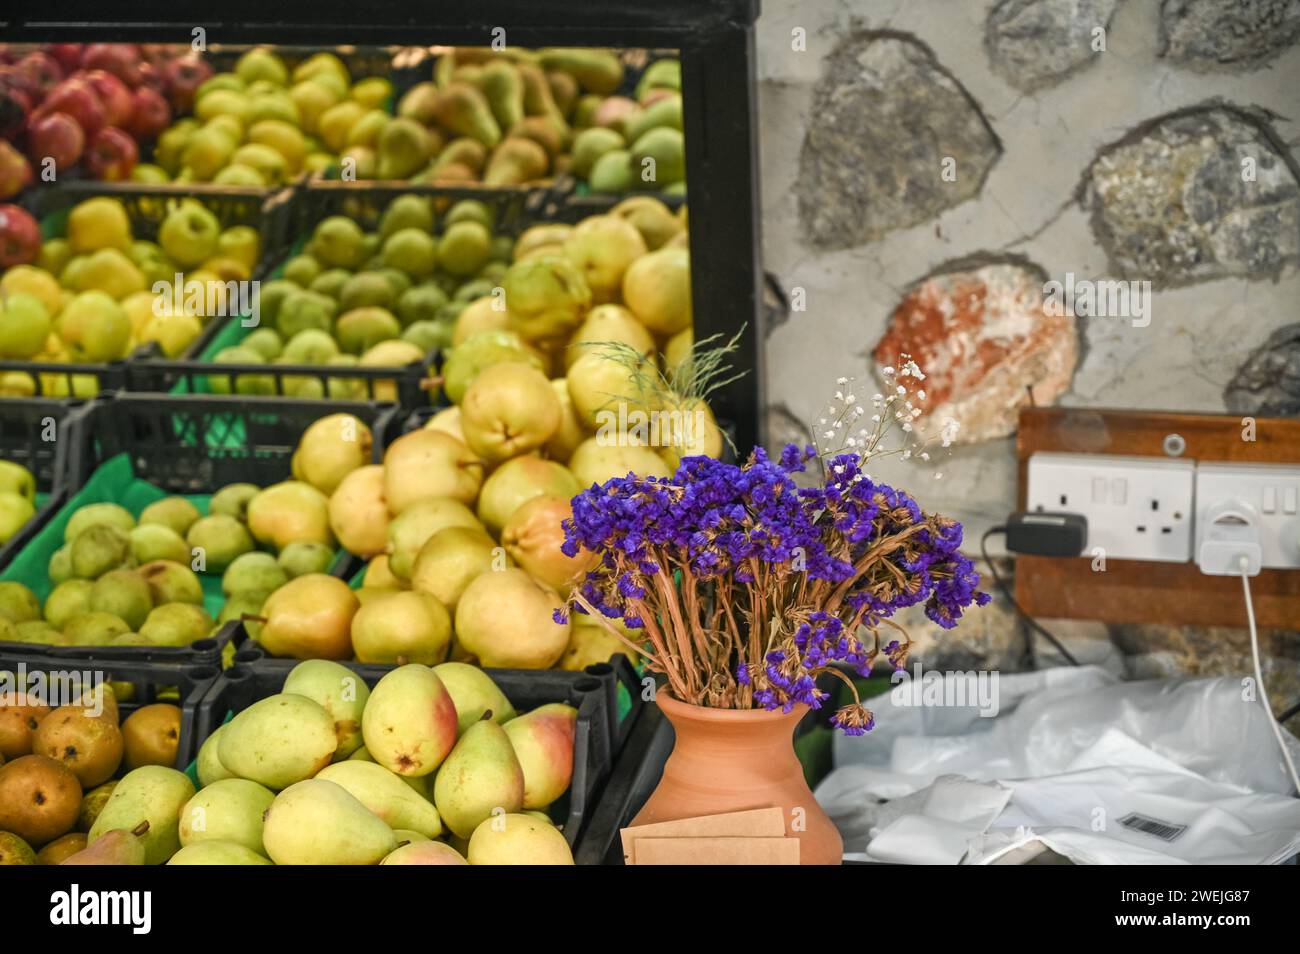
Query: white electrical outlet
x,y
1256,504
1138,508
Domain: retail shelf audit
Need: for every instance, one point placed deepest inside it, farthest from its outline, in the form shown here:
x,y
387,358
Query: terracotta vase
x,y
727,760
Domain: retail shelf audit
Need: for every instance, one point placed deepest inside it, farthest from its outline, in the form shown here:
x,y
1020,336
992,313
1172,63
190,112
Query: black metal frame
x,y
716,44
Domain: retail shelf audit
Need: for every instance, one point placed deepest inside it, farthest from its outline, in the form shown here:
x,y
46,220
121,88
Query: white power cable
x,y
1244,564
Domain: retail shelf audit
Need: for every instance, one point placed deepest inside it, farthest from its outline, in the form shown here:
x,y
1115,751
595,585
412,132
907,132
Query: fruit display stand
x,y
150,682
31,436
364,203
255,676
134,449
714,40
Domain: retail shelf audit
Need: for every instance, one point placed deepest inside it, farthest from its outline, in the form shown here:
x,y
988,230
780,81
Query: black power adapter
x,y
1047,534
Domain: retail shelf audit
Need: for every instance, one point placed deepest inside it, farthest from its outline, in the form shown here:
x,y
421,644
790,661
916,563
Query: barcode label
x,y
1152,826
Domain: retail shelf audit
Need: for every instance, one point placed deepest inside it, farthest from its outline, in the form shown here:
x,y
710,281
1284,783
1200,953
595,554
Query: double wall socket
x,y
1138,508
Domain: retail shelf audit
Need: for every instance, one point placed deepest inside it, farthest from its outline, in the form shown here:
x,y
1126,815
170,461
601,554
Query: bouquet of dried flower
x,y
747,586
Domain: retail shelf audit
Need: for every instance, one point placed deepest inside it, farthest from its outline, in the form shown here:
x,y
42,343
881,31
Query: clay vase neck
x,y
727,760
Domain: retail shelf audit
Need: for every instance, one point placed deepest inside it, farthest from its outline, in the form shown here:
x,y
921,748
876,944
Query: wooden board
x,y
1138,591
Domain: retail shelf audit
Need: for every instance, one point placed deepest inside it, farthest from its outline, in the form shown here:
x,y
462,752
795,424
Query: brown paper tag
x,y
717,851
756,823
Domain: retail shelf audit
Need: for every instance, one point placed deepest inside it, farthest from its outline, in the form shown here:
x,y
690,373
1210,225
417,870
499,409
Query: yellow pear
x,y
509,409
403,626
451,559
358,511
290,512
533,535
331,448
604,323
408,531
595,462
505,618
429,463
310,617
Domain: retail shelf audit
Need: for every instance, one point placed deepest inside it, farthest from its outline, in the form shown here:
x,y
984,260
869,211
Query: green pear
x,y
176,624
315,822
60,565
253,572
15,478
155,541
125,594
119,846
98,549
481,777
424,853
543,742
217,853
153,794
91,515
208,766
15,851
278,740
219,540
474,693
172,582
340,692
229,810
232,500
94,629
304,558
504,89
518,840
420,784
386,795
463,110
409,724
18,604
406,211
67,601
175,513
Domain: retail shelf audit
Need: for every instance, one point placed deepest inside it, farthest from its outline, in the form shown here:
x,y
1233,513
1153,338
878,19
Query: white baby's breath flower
x,y
901,390
841,381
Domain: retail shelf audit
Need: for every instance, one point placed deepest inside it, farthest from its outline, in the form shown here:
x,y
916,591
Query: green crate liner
x,y
113,482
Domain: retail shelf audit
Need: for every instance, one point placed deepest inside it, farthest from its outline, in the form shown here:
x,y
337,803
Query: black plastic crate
x,y
255,676
150,680
33,433
194,444
147,205
189,445
364,201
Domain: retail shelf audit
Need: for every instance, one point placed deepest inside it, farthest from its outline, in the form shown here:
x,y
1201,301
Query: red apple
x,y
15,172
185,75
15,105
150,113
76,97
152,77
55,136
114,94
42,69
120,59
111,154
20,237
68,55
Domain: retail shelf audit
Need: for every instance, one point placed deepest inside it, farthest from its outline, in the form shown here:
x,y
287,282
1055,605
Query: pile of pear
x,y
518,116
123,579
263,124
89,297
59,767
434,766
17,499
371,299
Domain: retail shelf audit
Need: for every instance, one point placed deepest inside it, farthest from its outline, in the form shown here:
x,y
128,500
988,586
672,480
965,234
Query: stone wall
x,y
929,165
